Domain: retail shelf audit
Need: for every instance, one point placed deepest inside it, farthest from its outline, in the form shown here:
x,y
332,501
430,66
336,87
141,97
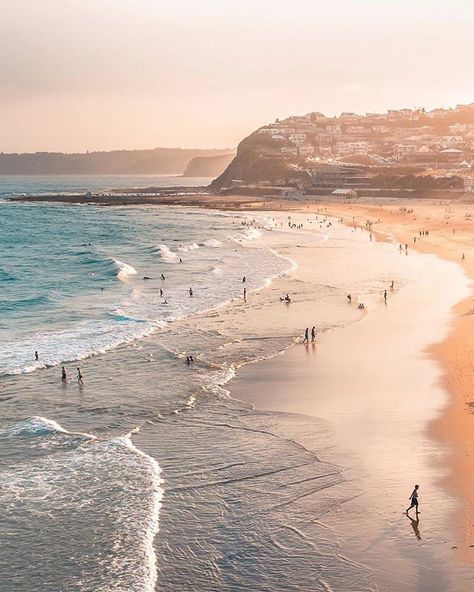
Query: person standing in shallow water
x,y
63,374
313,333
80,382
306,335
36,356
413,500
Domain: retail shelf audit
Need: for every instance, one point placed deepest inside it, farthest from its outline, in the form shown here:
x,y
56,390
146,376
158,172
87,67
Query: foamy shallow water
x,y
232,498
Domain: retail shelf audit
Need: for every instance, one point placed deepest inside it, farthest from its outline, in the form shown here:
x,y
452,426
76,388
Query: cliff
x,y
258,159
159,161
208,166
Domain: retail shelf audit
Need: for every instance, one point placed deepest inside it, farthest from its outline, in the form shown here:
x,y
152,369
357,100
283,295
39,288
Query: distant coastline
x,y
159,161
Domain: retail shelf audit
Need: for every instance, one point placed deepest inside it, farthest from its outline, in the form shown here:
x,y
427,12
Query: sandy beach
x,y
450,236
315,447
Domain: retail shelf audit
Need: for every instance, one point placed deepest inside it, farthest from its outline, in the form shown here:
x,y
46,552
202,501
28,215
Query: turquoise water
x,y
73,282
11,185
149,475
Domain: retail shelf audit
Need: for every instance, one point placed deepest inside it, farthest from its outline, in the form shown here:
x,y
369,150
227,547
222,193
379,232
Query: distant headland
x,y
158,161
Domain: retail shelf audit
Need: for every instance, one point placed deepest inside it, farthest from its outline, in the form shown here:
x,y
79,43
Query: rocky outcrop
x,y
258,159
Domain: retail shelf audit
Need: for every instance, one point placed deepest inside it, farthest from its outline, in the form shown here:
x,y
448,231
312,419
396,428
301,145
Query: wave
x,y
248,235
18,304
166,254
35,426
211,242
124,269
86,339
187,248
73,470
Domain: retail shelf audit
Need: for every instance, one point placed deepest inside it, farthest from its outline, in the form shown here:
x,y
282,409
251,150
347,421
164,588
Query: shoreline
x,y
455,425
288,384
386,227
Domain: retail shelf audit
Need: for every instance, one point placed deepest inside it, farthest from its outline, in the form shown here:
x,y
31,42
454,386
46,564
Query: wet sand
x,y
455,353
379,387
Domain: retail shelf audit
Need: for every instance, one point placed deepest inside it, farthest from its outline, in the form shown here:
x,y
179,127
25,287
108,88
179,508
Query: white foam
x,y
187,248
67,477
212,242
248,235
166,254
124,269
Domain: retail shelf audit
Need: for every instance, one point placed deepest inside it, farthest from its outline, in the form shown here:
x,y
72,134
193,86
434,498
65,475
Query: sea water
x,y
150,475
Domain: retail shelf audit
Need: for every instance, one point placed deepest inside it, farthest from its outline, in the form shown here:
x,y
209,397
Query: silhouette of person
x,y
414,500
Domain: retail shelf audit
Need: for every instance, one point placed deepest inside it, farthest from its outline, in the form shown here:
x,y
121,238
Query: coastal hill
x,y
208,166
401,149
159,161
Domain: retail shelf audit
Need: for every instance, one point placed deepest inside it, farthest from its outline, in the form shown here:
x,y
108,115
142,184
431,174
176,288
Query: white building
x,y
298,139
399,150
346,148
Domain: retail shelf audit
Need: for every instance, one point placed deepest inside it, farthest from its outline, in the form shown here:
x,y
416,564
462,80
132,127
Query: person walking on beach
x,y
245,293
392,285
190,292
244,279
36,356
306,335
313,333
63,374
385,295
413,500
80,382
161,292
162,277
349,298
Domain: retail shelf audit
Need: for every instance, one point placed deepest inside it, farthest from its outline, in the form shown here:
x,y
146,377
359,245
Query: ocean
x,y
150,475
105,289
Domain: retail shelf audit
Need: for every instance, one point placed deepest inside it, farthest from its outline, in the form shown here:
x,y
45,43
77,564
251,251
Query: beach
x,y
269,464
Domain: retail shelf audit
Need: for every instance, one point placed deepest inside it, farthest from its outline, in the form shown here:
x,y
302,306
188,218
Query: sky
x,y
79,75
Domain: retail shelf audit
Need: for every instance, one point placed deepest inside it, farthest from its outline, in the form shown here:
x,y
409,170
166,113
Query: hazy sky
x,y
103,74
